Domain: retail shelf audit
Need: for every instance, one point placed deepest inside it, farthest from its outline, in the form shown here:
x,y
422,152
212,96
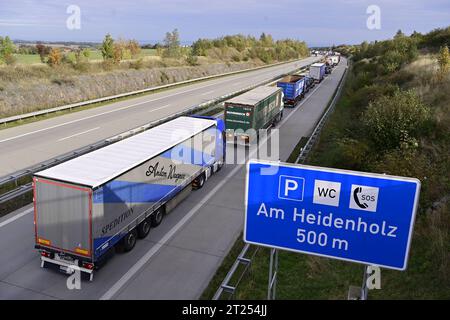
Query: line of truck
x,y
90,206
262,107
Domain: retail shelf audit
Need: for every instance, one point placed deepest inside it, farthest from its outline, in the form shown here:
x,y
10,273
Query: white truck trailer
x,y
335,60
85,207
317,71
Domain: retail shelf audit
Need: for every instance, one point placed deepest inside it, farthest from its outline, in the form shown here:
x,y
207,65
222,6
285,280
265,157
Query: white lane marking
x,y
156,109
163,107
78,134
17,216
206,93
142,261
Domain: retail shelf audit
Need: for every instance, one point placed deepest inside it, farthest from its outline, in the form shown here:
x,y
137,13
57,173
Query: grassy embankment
x,y
29,85
391,119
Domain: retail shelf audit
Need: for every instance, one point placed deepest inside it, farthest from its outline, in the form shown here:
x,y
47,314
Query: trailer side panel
x,y
124,202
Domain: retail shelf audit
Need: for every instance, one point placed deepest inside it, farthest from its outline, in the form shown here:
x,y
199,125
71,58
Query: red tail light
x,y
46,254
88,265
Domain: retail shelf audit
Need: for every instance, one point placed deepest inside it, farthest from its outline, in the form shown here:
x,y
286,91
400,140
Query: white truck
x,y
335,60
317,71
85,207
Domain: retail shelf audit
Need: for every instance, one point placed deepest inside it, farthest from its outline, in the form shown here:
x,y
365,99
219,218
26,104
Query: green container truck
x,y
252,111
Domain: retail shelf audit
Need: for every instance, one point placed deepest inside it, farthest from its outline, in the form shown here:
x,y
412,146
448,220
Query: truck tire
x,y
199,182
143,228
129,241
157,217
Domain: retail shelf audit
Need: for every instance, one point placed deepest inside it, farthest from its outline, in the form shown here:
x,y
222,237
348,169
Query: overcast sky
x,y
318,22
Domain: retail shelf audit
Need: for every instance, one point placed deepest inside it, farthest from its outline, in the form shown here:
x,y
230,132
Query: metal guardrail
x,y
203,107
241,260
318,129
4,121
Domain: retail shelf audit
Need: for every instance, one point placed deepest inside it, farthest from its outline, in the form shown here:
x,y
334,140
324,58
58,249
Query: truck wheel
x,y
130,240
199,182
143,228
157,217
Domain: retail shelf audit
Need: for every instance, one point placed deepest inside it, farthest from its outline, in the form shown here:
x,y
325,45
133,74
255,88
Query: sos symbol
x,y
364,198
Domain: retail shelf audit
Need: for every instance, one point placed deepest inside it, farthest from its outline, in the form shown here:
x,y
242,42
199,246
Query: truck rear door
x,y
63,216
238,117
289,89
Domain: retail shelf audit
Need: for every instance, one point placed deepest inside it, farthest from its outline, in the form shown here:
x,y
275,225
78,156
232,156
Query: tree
x,y
399,34
266,40
172,44
416,35
86,53
42,50
82,55
7,49
54,57
201,47
134,48
107,48
444,61
81,59
118,52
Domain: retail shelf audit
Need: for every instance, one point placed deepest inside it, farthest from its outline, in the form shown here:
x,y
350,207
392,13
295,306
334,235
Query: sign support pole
x,y
364,288
273,273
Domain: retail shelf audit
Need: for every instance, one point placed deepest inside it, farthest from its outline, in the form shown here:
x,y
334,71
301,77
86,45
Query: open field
x,y
94,55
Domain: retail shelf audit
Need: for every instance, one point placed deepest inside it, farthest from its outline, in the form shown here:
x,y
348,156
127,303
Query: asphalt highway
x,y
178,259
27,145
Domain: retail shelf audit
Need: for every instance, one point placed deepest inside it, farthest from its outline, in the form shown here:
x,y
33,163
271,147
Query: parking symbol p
x,y
291,188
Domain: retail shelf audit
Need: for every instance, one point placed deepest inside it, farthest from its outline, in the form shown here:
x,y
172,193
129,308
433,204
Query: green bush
x,y
7,49
192,60
393,120
235,58
392,61
352,153
363,96
10,59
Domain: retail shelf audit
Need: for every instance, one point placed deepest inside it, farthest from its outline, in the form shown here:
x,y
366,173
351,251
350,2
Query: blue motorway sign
x,y
353,216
